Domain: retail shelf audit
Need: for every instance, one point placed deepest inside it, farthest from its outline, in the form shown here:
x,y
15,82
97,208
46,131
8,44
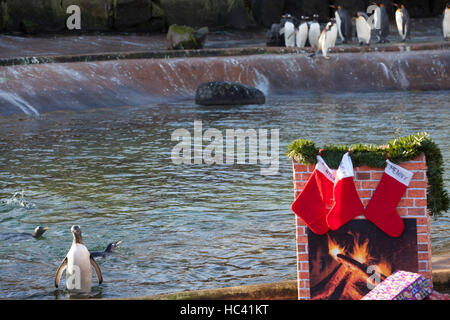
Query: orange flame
x,y
361,251
334,248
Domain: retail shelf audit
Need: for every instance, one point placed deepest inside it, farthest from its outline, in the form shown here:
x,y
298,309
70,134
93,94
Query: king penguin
x,y
314,31
302,33
446,22
381,22
363,28
402,20
289,31
327,39
78,263
343,22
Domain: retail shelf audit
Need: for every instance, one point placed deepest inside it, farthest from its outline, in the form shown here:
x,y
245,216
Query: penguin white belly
x,y
338,23
314,34
333,36
302,35
363,30
446,23
78,273
376,19
289,34
399,22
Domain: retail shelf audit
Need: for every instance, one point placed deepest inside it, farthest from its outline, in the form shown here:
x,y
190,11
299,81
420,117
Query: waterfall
x,y
37,88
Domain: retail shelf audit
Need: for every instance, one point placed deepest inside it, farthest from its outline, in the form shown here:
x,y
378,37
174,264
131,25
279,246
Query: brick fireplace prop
x,y
346,263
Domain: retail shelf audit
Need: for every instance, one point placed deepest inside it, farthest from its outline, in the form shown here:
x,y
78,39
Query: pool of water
x,y
183,227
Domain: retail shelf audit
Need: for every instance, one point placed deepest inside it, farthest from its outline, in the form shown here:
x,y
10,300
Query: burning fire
x,y
353,270
360,251
334,248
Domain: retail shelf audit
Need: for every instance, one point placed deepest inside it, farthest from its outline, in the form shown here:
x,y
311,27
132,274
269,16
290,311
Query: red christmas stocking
x,y
381,208
312,203
347,204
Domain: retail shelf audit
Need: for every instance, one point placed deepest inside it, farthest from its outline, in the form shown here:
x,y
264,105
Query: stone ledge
x,y
285,290
168,54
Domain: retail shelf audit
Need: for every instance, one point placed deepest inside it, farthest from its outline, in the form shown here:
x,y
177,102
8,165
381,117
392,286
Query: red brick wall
x,y
412,205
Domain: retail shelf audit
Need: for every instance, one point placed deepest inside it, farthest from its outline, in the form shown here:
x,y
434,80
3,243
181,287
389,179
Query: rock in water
x,y
227,93
185,38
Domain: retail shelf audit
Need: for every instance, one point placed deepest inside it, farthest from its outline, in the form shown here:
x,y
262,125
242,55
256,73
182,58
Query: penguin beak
x,y
45,228
118,242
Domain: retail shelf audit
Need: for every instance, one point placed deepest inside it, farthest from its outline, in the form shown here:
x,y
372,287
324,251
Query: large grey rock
x,y
227,93
185,37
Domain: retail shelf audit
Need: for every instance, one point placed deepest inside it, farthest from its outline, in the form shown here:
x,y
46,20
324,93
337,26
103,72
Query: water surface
x,y
183,227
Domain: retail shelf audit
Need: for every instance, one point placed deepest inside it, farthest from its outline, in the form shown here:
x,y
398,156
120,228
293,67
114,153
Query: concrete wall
x,y
38,16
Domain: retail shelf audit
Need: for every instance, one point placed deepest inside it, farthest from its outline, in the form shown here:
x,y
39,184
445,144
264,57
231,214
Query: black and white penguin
x,y
327,38
344,23
446,22
77,264
302,32
402,20
17,236
289,30
109,249
363,28
314,31
381,22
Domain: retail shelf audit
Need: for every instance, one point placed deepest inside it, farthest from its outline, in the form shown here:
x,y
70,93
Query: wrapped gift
x,y
401,285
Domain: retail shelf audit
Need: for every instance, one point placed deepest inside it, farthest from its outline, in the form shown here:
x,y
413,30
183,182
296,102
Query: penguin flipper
x,y
97,270
60,271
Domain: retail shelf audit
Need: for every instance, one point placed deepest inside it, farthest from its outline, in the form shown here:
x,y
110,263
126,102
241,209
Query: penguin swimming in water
x,y
446,22
314,32
402,20
381,23
109,249
289,30
302,33
344,23
327,39
17,236
77,264
363,28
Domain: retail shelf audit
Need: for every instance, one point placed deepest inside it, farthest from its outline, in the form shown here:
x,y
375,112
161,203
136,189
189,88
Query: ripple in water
x,y
183,227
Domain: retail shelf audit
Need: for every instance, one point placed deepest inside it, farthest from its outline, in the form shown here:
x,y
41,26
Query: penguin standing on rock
x,y
327,39
446,22
344,23
78,263
314,31
302,33
381,22
402,20
363,28
289,30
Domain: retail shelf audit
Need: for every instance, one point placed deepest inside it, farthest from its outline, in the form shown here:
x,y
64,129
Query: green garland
x,y
400,150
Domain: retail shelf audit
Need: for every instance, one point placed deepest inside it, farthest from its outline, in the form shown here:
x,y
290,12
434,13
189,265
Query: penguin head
x,y
39,231
112,246
76,231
